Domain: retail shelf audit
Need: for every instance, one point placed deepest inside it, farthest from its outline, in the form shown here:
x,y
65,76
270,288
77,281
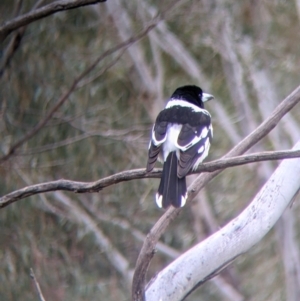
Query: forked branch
x,y
139,279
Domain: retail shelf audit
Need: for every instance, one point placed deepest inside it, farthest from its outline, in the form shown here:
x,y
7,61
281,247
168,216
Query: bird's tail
x,y
172,190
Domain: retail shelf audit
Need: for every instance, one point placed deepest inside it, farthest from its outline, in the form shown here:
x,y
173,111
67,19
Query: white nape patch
x,y
182,103
170,144
158,199
204,154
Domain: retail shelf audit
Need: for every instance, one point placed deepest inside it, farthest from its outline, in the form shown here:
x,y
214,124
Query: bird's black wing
x,y
194,142
159,135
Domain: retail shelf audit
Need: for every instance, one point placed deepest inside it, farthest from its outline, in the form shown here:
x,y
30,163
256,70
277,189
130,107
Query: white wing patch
x,y
204,154
201,149
204,132
196,139
157,142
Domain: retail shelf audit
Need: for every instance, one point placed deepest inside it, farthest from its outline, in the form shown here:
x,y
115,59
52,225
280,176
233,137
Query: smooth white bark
x,y
234,239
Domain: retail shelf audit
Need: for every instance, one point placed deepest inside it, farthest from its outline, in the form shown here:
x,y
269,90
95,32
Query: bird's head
x,y
192,94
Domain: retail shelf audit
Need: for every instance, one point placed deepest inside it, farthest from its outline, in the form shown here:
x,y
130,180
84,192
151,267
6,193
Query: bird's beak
x,y
206,97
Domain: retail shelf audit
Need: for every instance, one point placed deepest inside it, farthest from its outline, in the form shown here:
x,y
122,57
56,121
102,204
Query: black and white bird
x,y
181,137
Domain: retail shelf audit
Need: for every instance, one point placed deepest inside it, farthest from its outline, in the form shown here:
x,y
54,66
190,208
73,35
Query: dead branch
x,y
134,174
147,250
15,40
117,135
40,13
125,225
208,258
74,85
115,257
38,288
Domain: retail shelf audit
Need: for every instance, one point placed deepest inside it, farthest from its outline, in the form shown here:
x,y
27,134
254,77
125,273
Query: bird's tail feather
x,y
172,190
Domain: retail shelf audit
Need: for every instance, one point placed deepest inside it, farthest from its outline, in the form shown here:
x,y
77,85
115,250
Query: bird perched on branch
x,y
181,137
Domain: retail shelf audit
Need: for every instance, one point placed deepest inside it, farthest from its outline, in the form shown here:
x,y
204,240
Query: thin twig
x,y
73,86
125,225
40,13
134,174
102,71
114,256
15,42
32,275
62,143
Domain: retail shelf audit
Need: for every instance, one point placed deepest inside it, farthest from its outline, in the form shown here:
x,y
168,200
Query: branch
x,y
74,85
38,288
116,259
15,42
134,174
147,250
125,225
118,135
40,13
11,49
208,258
289,248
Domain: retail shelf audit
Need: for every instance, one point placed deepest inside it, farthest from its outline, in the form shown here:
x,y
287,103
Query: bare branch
x,y
125,225
146,253
32,275
134,174
289,249
101,72
117,260
208,258
123,24
74,85
15,40
227,290
118,135
202,213
298,8
40,13
11,49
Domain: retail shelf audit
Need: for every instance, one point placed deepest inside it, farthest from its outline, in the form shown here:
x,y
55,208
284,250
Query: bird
x,y
180,138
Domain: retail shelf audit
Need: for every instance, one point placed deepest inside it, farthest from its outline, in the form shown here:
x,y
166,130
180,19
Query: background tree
x,y
79,92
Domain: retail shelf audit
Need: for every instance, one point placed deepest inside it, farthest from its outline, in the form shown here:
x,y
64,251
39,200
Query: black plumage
x,y
181,135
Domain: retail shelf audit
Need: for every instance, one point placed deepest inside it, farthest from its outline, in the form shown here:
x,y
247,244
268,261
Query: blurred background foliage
x,y
246,53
